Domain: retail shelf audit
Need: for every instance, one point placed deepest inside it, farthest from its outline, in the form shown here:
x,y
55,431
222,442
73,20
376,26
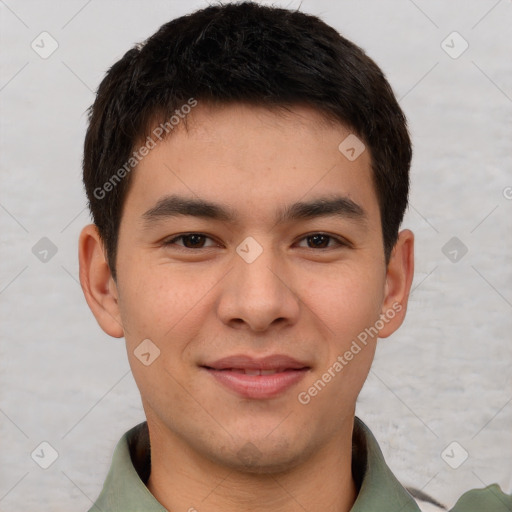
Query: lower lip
x,y
258,386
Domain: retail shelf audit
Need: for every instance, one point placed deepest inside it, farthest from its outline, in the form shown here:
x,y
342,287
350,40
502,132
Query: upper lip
x,y
243,362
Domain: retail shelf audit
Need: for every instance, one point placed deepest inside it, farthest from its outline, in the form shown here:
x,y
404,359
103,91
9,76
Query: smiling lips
x,y
257,378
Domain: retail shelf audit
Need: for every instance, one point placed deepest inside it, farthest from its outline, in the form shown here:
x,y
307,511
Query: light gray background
x,y
444,376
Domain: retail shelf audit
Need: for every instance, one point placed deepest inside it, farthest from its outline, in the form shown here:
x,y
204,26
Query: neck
x,y
182,479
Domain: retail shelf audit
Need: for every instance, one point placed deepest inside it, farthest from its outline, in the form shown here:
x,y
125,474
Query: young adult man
x,y
247,171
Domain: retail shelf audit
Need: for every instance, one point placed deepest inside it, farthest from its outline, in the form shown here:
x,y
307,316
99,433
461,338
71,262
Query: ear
x,y
399,276
99,287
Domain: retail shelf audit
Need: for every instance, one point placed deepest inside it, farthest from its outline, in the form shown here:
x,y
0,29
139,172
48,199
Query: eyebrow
x,y
332,206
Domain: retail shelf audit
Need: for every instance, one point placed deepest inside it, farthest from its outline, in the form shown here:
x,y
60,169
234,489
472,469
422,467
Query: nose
x,y
258,295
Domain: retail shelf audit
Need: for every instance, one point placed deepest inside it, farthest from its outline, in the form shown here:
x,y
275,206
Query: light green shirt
x,y
378,489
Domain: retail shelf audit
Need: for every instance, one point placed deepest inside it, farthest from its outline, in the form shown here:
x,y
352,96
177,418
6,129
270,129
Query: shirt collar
x,y
379,489
125,490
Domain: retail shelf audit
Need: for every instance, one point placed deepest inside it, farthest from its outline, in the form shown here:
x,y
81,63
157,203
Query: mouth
x,y
258,379
249,371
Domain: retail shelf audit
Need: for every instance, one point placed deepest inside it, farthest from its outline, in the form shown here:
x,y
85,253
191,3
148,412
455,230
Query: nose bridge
x,y
257,291
257,269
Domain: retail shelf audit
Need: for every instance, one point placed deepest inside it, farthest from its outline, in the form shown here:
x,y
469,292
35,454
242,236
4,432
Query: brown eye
x,y
189,241
193,241
321,241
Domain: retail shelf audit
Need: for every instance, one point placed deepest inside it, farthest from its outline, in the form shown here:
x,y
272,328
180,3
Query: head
x,y
243,112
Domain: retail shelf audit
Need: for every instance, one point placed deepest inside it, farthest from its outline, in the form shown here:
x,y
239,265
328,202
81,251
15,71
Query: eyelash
x,y
340,242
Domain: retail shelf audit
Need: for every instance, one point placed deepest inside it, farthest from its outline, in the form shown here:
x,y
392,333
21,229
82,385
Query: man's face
x,y
253,286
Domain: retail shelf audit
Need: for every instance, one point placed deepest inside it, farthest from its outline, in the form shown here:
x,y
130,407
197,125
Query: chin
x,y
259,458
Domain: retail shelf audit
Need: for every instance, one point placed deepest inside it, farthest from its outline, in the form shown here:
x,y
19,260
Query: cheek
x,y
348,305
348,309
167,307
347,300
162,306
158,302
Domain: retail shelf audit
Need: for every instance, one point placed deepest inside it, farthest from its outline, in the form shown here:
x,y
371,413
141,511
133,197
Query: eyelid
x,y
340,241
171,241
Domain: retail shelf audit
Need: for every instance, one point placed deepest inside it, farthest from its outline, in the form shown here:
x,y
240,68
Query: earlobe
x,y
97,283
399,276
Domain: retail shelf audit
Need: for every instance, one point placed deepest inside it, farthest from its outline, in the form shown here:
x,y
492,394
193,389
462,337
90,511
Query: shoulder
x,y
489,499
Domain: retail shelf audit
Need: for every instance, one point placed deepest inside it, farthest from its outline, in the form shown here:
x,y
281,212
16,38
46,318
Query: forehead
x,y
255,159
